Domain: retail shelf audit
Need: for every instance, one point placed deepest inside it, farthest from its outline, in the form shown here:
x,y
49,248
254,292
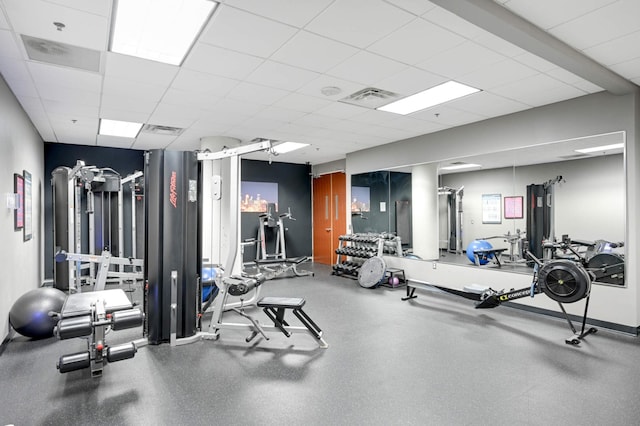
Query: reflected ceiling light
x,y
460,166
437,95
123,129
600,148
159,30
285,147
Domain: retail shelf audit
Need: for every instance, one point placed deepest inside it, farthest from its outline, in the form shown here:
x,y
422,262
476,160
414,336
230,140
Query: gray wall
x,y
22,149
599,113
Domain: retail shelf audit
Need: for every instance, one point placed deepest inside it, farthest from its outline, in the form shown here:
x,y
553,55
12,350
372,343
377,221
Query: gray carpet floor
x,y
434,360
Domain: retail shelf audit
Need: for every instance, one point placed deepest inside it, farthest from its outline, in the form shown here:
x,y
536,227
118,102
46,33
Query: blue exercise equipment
x,y
29,315
476,245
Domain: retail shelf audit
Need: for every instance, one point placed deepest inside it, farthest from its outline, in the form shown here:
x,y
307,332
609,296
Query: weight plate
x,y
564,281
372,272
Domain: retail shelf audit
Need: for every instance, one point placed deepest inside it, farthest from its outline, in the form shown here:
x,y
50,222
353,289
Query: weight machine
x,y
454,217
173,300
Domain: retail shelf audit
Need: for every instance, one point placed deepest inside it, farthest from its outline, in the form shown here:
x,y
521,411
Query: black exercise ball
x,y
29,315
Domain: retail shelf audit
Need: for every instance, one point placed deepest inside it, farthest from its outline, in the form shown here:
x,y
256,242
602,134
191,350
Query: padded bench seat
x,y
275,308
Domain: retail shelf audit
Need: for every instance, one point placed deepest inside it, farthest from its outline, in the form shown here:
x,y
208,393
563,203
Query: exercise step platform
x,y
275,308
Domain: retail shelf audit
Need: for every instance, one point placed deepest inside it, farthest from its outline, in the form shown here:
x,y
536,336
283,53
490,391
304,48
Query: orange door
x,y
329,216
339,210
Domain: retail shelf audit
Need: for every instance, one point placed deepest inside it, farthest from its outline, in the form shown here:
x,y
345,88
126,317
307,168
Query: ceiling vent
x,y
162,130
371,98
53,52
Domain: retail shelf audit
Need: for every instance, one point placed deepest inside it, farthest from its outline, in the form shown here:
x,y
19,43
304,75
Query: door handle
x,y
327,229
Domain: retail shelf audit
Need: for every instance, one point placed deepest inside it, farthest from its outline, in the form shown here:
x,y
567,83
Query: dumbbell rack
x,y
354,249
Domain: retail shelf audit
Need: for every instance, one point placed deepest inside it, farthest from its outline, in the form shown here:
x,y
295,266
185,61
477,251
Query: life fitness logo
x,y
173,189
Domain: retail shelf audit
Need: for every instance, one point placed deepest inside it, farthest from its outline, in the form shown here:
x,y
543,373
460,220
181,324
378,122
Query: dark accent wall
x,y
384,186
123,161
294,190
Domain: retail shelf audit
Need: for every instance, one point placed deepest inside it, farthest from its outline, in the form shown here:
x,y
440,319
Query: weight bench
x,y
274,267
275,308
488,254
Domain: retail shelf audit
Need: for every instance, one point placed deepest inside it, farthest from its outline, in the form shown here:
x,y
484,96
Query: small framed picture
x,y
491,208
513,208
18,188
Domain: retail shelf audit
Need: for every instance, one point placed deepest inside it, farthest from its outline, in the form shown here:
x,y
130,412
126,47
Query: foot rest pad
x,y
281,302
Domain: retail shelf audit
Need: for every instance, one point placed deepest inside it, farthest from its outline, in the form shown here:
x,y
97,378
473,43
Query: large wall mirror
x,y
486,197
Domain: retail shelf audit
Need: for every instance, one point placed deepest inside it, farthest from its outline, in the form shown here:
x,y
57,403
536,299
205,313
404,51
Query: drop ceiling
x,y
259,68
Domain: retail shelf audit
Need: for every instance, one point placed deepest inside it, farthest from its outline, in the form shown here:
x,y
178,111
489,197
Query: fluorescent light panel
x,y
285,147
460,166
159,30
437,95
123,129
601,148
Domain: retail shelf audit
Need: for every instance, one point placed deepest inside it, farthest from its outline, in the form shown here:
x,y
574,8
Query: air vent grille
x,y
157,129
370,97
54,52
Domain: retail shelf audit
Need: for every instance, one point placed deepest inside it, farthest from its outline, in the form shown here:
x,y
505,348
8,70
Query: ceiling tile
x,y
629,69
607,23
537,89
617,50
124,114
146,141
453,23
373,116
297,13
44,75
199,82
538,12
130,68
71,109
4,24
114,104
417,7
314,87
256,93
114,141
65,94
408,45
8,47
359,22
490,104
133,90
239,108
409,81
175,116
497,74
81,28
279,114
366,68
573,80
222,62
258,36
448,116
498,45
96,7
281,76
14,70
461,60
535,62
340,110
326,53
190,99
304,103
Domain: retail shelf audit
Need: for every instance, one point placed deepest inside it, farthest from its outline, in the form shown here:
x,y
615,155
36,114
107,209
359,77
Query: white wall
x,y
21,262
599,113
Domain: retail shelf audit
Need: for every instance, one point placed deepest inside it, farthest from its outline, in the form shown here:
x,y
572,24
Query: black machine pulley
x,y
564,281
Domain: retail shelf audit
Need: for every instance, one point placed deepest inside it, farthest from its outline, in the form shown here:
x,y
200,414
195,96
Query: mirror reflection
x,y
558,200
